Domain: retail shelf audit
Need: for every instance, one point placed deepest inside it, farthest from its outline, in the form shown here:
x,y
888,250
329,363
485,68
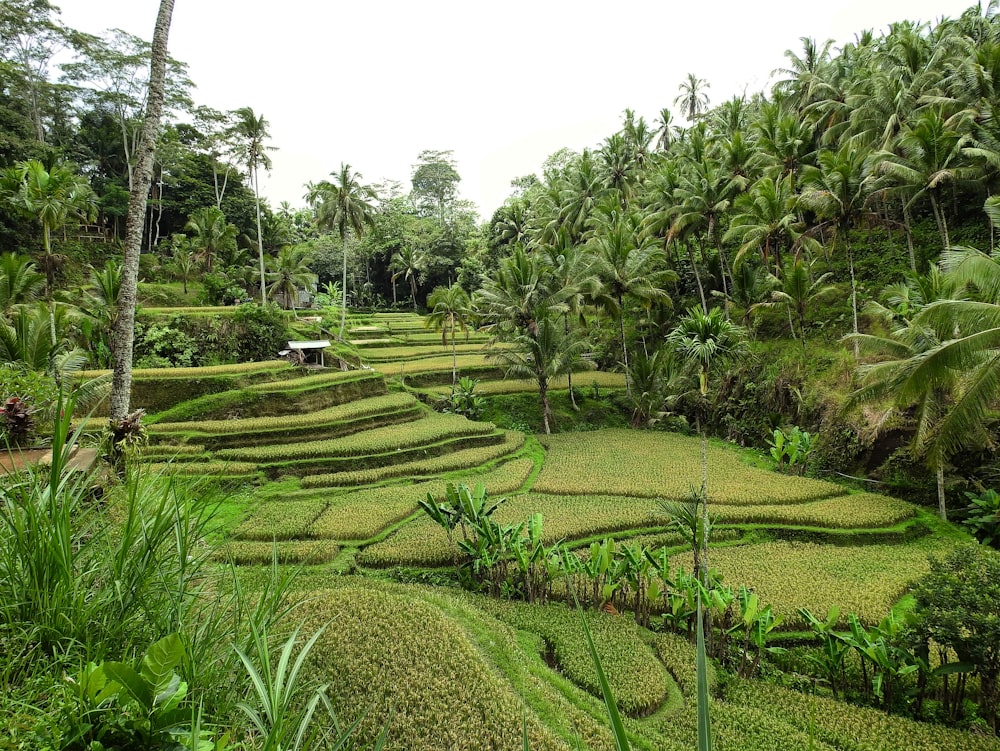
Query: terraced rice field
x,y
344,459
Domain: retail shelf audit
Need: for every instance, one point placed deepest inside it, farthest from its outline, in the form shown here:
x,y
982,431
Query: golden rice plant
x,y
450,462
340,413
418,543
432,365
428,430
216,469
517,386
281,520
667,465
251,553
208,371
855,511
399,654
862,579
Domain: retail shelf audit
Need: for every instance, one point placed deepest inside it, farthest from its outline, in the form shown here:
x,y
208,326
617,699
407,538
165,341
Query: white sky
x,y
501,83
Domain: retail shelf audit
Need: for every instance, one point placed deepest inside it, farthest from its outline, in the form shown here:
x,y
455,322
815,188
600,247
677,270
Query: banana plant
x,y
833,646
756,624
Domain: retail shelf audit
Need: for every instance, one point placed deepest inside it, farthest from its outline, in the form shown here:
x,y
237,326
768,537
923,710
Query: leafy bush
x,y
259,332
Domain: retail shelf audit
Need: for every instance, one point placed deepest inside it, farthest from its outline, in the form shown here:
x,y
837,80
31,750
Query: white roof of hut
x,y
315,344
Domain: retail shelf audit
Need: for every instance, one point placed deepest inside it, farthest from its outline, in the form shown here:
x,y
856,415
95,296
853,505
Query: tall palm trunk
x,y
942,509
697,278
942,222
621,322
343,285
122,337
569,373
543,392
907,228
260,235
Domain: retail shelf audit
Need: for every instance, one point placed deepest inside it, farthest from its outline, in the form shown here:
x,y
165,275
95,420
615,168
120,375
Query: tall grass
x,y
94,569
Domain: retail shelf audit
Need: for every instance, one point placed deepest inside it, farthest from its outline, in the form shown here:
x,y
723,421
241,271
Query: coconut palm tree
x,y
706,342
182,266
797,291
212,235
52,197
409,263
252,130
547,353
627,265
692,98
289,272
450,310
765,220
344,205
837,190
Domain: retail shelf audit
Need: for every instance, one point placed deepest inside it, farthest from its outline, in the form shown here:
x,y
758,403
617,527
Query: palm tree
x,y
253,130
837,190
124,335
182,266
408,262
928,156
450,311
706,342
20,283
289,273
546,354
796,291
627,266
343,205
765,220
213,235
692,98
51,197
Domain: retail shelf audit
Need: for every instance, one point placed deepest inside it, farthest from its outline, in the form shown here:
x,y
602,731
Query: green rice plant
x,y
282,367
417,352
431,429
433,365
637,679
569,517
843,726
164,452
604,462
260,553
277,398
218,469
281,520
452,462
289,425
418,543
442,693
854,511
561,383
862,579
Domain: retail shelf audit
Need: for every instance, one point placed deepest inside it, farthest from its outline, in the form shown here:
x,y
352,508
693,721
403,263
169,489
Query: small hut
x,y
307,352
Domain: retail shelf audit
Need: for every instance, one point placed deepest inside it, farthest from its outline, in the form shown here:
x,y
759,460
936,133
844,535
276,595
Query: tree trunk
x,y
123,334
343,286
941,222
569,373
621,322
260,235
907,225
543,392
854,295
942,509
454,359
697,277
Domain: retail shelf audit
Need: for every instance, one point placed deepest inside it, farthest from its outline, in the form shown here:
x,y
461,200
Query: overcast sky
x,y
502,84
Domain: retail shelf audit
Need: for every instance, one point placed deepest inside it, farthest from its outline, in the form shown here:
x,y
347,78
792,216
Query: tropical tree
x,y
252,130
705,343
627,266
183,266
212,236
20,283
124,331
928,156
547,353
51,197
409,263
289,272
837,190
797,291
692,98
343,205
450,310
766,220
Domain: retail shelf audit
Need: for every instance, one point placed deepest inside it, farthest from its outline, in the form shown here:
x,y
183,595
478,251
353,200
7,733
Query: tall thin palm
x,y
450,312
409,263
797,292
252,129
344,205
706,342
692,98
